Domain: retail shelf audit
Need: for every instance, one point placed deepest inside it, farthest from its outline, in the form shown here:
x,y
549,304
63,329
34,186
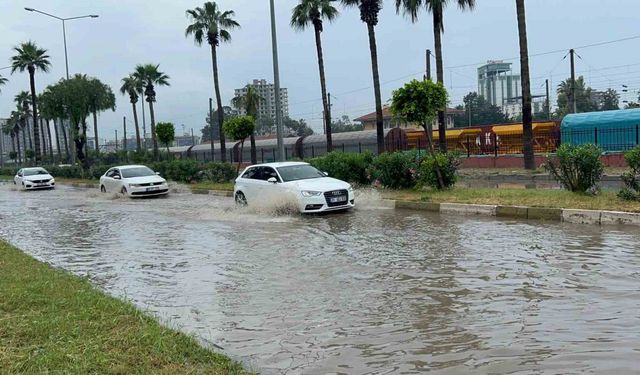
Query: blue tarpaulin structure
x,y
611,130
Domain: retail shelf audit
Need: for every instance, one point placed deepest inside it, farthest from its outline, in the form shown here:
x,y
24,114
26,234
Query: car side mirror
x,y
273,180
117,177
326,173
157,173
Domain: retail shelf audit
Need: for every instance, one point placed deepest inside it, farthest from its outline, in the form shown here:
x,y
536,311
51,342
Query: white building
x,y
267,92
497,84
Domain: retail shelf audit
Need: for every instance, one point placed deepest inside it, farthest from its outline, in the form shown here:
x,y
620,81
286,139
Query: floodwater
x,y
369,291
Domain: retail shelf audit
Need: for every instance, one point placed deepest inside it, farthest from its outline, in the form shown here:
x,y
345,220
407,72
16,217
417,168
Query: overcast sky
x,y
144,31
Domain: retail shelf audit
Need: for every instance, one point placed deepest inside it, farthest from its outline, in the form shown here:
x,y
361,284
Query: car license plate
x,y
37,185
153,188
342,198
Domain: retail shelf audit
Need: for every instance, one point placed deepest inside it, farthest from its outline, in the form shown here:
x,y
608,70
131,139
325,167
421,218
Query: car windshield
x,y
299,172
34,171
136,172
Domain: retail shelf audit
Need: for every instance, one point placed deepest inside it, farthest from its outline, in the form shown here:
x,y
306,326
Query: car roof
x,y
280,164
130,166
29,168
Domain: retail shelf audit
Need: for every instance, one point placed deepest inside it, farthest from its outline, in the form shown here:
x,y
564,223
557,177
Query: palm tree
x,y
15,124
8,129
47,112
3,81
31,58
151,77
132,86
250,103
527,119
314,12
101,99
215,24
436,8
22,109
369,10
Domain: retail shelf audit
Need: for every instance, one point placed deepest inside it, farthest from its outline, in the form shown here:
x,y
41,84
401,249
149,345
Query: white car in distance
x,y
133,181
313,190
34,178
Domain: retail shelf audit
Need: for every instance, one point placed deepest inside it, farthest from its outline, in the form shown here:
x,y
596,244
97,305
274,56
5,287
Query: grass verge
x,y
519,197
224,186
54,322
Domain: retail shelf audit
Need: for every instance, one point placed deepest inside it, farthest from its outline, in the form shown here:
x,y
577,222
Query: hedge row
x,y
175,170
396,170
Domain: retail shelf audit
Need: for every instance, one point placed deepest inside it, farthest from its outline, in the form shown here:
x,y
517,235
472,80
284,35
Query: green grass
x,y
54,322
519,197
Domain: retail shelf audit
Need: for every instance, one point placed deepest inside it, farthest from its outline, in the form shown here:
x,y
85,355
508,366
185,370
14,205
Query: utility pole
x,y
213,158
116,139
573,105
469,108
546,83
193,140
429,64
124,137
276,83
328,130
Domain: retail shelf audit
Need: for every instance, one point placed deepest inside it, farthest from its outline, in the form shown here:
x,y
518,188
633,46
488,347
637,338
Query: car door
x,y
116,180
247,183
270,190
18,177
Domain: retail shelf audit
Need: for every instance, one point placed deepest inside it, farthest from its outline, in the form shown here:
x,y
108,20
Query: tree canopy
x,y
166,133
419,101
239,128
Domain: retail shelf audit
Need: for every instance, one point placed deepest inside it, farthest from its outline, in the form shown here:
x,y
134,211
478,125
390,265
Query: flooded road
x,y
370,291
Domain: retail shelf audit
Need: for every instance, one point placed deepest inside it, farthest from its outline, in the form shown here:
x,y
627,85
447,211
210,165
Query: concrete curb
x,y
468,209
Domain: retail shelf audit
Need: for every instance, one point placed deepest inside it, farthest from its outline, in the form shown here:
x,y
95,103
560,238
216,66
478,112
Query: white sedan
x,y
312,190
133,181
34,178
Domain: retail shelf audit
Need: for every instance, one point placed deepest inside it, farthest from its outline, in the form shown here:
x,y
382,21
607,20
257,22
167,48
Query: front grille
x,y
149,192
336,194
150,184
40,181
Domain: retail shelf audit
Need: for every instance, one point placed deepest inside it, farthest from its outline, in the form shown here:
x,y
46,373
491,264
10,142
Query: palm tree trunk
x,y
66,140
153,130
437,37
135,121
28,130
24,141
216,86
254,153
95,131
36,133
376,88
19,151
527,132
42,137
56,128
323,87
50,141
240,158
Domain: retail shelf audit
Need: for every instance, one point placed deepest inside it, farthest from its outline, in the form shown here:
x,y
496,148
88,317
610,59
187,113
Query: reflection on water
x,y
381,291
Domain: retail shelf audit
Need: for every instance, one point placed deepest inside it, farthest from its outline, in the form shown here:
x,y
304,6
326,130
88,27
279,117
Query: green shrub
x,y
446,163
8,171
345,166
577,168
395,170
631,190
216,172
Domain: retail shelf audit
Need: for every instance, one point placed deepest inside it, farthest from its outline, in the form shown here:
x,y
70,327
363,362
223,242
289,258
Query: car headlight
x,y
350,188
310,193
52,180
134,185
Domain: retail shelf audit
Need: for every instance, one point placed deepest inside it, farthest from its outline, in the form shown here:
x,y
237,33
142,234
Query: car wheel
x,y
123,191
241,200
103,189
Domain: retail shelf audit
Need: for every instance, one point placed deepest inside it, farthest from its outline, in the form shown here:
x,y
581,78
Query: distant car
x,y
313,190
133,181
34,178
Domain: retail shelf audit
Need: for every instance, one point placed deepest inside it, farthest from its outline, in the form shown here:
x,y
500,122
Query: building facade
x,y
497,84
267,91
369,120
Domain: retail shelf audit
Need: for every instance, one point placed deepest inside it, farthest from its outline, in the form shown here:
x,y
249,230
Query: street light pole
x,y
64,30
276,83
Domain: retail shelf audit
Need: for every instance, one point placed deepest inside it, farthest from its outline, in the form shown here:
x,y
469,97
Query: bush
x,y
631,191
8,171
347,167
216,172
395,170
577,168
447,163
